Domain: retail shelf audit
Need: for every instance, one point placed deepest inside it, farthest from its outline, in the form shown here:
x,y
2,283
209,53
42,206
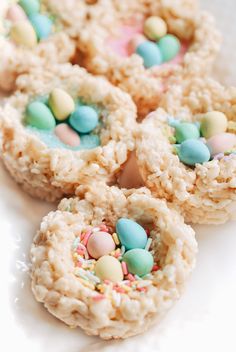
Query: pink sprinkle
x,y
119,289
80,251
131,277
104,228
142,289
107,282
155,268
98,298
86,237
148,232
124,268
117,253
79,264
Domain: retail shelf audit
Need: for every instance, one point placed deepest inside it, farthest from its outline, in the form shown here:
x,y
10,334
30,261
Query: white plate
x,y
203,320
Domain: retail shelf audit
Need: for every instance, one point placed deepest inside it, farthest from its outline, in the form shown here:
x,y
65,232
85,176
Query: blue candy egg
x,y
131,234
150,53
84,119
193,152
42,25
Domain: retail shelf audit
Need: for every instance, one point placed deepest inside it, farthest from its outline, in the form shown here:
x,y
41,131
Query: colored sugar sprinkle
x,y
116,238
148,245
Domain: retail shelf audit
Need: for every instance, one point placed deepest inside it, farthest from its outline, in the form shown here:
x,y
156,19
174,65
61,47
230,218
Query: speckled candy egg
x,y
155,28
139,261
100,244
193,152
61,103
213,123
109,268
131,234
221,143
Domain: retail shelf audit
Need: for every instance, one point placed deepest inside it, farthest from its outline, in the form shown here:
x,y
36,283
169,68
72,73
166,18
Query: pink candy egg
x,y
67,135
221,142
99,244
16,13
135,42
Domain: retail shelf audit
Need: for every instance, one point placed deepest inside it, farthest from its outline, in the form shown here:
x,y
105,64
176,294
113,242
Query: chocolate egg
x,y
99,244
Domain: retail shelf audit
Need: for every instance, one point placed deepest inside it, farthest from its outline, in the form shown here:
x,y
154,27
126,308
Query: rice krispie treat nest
x,y
110,301
203,190
125,56
49,153
31,35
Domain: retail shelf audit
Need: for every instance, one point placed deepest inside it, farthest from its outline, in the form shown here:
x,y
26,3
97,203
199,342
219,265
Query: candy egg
x,y
109,268
61,103
213,123
67,135
30,7
39,115
23,33
221,142
84,119
16,13
131,234
193,152
42,25
136,41
155,28
139,261
100,244
150,53
185,131
169,47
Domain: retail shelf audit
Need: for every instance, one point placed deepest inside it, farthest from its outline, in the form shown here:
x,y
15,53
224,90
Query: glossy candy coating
x,y
150,53
193,152
131,234
84,119
61,103
139,261
99,244
39,115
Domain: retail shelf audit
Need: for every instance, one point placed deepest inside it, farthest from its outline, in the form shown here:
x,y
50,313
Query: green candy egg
x,y
185,131
131,234
39,115
193,152
31,7
139,261
169,46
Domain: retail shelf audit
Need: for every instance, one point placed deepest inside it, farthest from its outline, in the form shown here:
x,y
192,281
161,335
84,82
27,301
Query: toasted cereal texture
x,y
73,300
205,194
16,60
51,173
147,86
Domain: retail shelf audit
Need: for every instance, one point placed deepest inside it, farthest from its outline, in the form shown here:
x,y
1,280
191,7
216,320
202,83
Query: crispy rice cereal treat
x,y
22,47
42,164
64,279
205,193
106,50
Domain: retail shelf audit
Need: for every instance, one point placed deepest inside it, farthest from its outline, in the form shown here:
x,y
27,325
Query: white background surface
x,y
203,320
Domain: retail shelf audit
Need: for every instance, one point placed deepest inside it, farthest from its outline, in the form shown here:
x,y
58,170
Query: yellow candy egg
x,y
155,28
213,123
109,268
61,103
23,33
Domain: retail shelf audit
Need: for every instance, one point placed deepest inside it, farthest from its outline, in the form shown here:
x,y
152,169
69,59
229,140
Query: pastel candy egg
x,y
42,25
221,142
131,234
23,33
39,115
213,123
67,135
16,13
193,152
109,268
136,41
150,53
61,103
169,47
185,131
30,7
155,28
139,261
84,119
100,244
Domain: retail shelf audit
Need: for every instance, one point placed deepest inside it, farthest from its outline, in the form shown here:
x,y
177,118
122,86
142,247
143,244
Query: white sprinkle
x,y
144,283
96,229
116,298
122,250
76,242
92,277
148,244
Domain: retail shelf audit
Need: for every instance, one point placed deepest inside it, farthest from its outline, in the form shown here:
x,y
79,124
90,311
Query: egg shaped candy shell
x,y
131,234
